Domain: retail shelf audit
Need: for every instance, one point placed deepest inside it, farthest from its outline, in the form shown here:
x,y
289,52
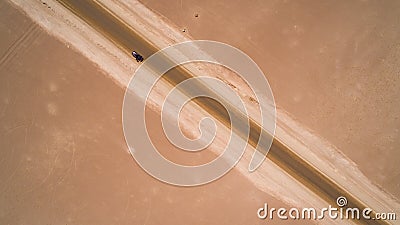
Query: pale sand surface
x,y
333,66
269,178
314,149
63,156
118,65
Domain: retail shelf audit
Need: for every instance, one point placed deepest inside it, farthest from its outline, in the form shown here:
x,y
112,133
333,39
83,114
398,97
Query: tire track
x,y
19,46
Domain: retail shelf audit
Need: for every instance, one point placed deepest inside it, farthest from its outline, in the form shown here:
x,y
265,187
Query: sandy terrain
x,y
333,66
63,156
117,65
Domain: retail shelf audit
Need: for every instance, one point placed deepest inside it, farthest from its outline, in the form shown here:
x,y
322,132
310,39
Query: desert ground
x,y
333,69
333,66
64,159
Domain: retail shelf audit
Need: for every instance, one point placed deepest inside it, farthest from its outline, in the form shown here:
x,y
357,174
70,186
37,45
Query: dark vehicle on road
x,y
137,56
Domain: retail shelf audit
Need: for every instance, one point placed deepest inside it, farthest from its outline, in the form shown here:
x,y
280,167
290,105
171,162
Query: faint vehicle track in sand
x,y
19,45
